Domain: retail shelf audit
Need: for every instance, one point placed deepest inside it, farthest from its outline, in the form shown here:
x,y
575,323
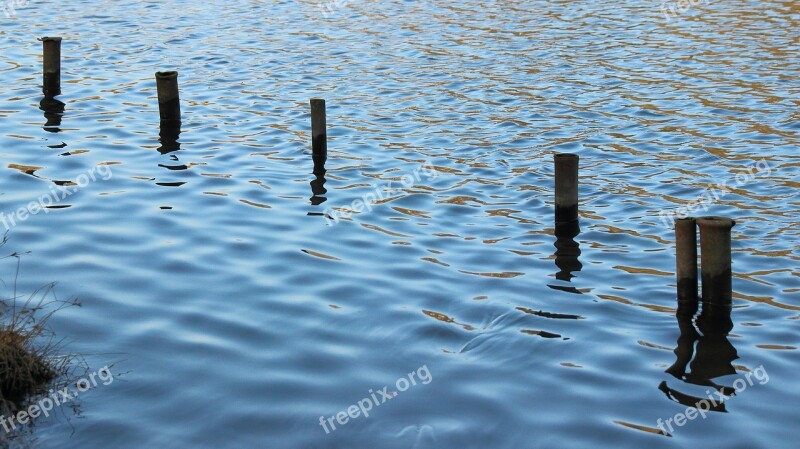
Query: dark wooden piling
x,y
686,258
566,187
715,260
319,137
169,104
51,73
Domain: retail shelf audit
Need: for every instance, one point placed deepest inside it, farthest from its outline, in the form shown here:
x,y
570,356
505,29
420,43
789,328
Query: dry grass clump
x,y
24,369
28,359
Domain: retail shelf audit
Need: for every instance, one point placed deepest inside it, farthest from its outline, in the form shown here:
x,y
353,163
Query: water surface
x,y
236,314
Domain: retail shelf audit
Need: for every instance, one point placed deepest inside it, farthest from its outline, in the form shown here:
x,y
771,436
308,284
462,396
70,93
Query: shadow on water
x,y
567,253
703,348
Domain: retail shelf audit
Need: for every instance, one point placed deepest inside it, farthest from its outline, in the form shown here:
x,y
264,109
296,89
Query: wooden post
x,y
566,187
715,260
169,104
686,258
319,137
51,55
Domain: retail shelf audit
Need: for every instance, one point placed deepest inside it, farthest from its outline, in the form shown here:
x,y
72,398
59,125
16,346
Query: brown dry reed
x,y
29,359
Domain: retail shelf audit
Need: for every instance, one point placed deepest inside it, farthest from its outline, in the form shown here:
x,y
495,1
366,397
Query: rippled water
x,y
236,314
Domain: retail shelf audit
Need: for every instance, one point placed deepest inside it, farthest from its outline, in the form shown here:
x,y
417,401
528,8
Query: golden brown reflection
x,y
253,203
504,274
435,260
543,334
556,316
642,428
27,169
777,347
319,254
446,319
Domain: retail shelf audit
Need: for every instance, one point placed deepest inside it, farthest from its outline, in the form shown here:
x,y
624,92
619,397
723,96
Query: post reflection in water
x,y
318,184
53,112
705,350
168,136
567,253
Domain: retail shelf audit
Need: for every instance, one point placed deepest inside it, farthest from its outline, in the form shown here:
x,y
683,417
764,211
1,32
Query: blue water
x,y
234,314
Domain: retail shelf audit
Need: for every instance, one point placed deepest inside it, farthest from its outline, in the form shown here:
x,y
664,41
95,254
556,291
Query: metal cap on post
x,y
715,260
566,187
169,105
686,258
51,73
